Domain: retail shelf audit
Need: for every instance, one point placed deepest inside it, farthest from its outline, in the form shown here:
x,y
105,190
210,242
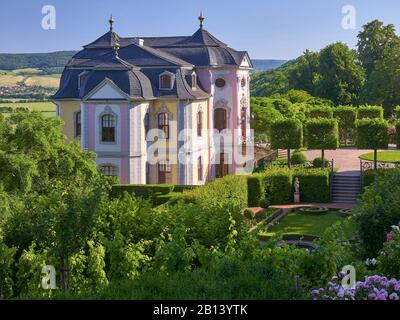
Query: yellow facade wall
x,y
172,106
67,110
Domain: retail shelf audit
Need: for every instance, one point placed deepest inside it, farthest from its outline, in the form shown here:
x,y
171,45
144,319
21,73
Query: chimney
x,y
139,42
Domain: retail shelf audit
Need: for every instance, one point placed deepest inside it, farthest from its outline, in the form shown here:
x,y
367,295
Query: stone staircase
x,y
346,188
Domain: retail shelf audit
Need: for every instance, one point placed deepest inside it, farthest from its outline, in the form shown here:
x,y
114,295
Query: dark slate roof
x,y
140,65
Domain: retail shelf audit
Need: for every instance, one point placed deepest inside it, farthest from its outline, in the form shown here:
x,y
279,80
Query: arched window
x,y
243,82
109,170
220,119
165,81
199,119
163,123
108,124
77,124
200,169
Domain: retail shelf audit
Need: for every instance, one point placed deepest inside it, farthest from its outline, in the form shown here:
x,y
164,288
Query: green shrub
x,y
378,211
372,134
255,190
314,184
318,162
264,203
370,112
298,158
320,112
389,257
278,185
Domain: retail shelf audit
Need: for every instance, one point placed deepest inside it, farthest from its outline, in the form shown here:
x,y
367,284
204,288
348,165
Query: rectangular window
x,y
108,124
165,82
164,172
199,169
199,123
163,124
146,124
77,124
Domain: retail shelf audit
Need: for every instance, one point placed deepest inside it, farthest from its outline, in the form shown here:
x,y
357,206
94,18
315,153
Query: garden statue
x,y
296,190
297,185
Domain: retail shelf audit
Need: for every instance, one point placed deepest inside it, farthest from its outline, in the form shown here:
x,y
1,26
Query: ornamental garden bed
x,y
383,156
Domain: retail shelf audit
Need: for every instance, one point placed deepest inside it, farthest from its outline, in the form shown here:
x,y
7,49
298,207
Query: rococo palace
x,y
152,108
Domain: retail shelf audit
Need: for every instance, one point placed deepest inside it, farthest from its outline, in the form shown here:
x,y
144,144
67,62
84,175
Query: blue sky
x,y
269,29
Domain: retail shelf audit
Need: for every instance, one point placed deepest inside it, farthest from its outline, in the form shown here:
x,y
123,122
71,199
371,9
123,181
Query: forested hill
x,y
53,61
266,64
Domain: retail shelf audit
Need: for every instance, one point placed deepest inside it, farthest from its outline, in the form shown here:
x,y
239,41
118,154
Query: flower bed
x,y
372,288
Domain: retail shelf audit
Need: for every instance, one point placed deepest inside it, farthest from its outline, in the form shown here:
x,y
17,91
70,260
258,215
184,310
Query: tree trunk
x,y
289,160
323,158
375,159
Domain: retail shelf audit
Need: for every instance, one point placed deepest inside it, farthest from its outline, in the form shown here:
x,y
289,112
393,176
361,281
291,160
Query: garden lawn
x,y
296,223
383,156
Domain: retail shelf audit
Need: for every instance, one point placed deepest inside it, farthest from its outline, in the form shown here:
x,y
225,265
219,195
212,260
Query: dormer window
x,y
194,81
81,79
166,80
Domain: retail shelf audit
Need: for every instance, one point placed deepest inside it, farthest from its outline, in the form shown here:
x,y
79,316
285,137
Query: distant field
x,y
30,77
33,106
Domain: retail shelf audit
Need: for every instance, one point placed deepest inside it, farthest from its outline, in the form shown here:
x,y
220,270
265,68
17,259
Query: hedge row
x,y
320,112
314,185
276,185
370,112
369,176
158,194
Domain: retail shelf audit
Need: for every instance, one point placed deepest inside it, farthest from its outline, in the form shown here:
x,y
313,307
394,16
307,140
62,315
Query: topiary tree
x,y
299,158
372,134
346,116
370,112
320,112
322,134
287,134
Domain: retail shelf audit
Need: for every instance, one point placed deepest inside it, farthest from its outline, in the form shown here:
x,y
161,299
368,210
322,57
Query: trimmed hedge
x,y
370,112
255,190
286,134
143,191
314,185
278,185
158,194
322,134
346,116
320,112
372,134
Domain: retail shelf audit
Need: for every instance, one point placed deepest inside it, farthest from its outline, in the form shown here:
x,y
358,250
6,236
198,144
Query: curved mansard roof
x,y
137,66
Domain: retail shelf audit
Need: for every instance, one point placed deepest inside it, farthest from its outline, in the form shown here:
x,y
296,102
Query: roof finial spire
x,y
111,22
201,19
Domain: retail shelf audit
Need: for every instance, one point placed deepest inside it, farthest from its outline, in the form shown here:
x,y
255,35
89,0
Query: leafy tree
x,y
341,77
322,134
287,134
373,41
382,86
372,134
305,73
